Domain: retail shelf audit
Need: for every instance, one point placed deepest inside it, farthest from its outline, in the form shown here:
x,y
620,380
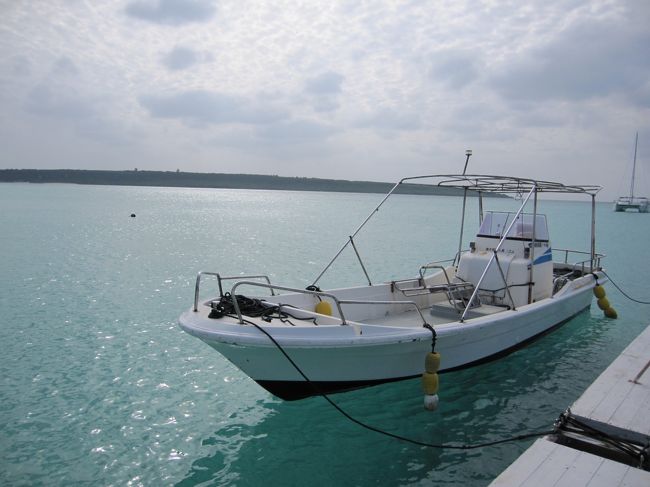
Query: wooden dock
x,y
619,402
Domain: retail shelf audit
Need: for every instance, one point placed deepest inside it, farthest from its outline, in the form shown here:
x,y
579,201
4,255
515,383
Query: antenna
x,y
468,153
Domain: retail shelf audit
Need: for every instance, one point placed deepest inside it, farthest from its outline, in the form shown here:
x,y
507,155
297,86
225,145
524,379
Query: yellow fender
x,y
599,291
611,313
430,380
323,308
603,303
432,362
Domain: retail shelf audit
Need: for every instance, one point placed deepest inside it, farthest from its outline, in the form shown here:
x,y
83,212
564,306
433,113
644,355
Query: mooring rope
x,y
623,292
317,390
256,308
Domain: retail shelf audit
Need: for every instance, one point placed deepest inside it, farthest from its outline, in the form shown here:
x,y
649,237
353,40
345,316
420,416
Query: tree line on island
x,y
212,180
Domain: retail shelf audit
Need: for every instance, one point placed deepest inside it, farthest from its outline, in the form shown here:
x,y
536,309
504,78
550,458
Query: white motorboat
x,y
509,287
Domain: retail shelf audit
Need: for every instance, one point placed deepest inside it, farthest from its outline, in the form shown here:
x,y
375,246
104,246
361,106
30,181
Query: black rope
x,y
256,308
253,308
623,292
569,423
386,433
434,336
247,306
316,289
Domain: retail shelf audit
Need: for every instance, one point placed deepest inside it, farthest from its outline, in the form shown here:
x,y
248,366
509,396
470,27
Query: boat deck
x,y
438,314
620,397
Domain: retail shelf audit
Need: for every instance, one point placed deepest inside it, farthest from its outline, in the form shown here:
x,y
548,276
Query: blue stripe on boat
x,y
545,257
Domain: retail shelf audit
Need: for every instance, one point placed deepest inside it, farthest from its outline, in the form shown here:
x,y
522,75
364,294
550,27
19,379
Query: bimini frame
x,y
482,184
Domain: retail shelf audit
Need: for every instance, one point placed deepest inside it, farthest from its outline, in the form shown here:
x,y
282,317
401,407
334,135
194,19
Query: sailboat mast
x,y
636,141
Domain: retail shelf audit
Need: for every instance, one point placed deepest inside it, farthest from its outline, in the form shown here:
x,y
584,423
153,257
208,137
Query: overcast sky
x,y
370,90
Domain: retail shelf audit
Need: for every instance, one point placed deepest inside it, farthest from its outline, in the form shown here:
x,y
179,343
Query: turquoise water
x,y
100,386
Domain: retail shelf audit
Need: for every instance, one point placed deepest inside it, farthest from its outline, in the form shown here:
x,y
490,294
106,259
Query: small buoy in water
x,y
430,381
132,215
323,308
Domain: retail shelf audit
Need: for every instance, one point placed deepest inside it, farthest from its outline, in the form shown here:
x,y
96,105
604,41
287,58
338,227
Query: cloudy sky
x,y
372,90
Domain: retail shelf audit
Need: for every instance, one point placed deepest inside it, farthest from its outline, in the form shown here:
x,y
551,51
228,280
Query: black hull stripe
x,y
294,390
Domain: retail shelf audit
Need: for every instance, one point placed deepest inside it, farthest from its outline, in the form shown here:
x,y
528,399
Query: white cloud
x,y
295,131
63,98
589,59
328,83
199,108
171,12
391,119
323,91
350,85
59,104
455,68
181,57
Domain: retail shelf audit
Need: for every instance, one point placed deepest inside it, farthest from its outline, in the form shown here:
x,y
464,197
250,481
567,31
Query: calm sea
x,y
99,385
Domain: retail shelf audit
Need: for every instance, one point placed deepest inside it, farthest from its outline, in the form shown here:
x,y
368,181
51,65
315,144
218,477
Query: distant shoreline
x,y
178,179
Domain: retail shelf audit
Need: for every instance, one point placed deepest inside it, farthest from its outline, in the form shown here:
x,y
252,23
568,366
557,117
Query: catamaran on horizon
x,y
631,202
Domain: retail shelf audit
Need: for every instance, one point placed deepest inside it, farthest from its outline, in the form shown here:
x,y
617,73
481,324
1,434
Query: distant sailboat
x,y
638,203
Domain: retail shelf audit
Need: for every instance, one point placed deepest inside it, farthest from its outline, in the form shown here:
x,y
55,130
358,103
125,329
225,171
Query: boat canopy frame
x,y
524,189
480,184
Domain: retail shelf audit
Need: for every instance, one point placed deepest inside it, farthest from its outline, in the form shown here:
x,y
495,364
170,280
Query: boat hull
x,y
291,390
309,361
638,207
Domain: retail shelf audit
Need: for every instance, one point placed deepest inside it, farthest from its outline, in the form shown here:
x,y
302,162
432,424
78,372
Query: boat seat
x,y
454,288
458,293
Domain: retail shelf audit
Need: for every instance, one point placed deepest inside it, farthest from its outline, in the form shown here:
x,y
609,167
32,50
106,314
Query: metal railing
x,y
435,265
284,288
220,278
338,302
411,303
422,271
596,257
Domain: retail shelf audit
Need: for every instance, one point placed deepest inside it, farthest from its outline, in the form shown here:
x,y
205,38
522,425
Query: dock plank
x,y
548,464
635,478
613,398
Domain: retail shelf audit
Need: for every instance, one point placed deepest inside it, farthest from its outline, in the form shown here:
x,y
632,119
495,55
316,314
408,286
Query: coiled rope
x,y
254,308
